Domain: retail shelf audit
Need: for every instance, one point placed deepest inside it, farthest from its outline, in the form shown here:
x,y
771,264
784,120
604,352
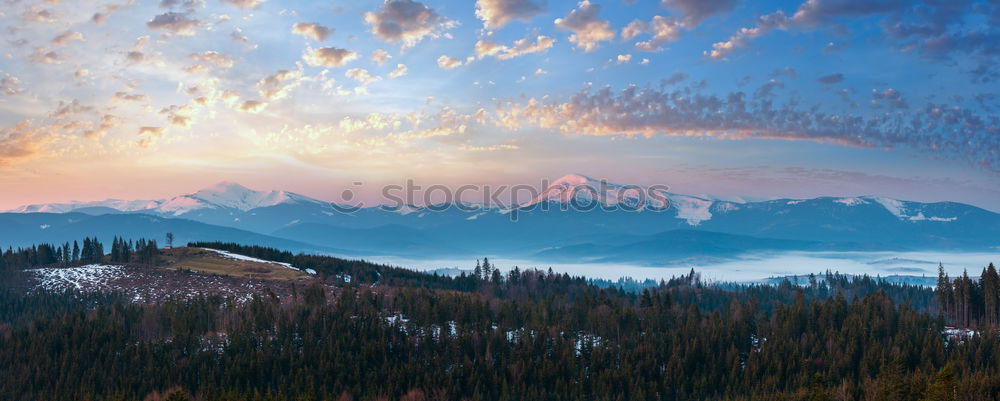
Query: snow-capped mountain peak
x,y
581,189
571,180
230,195
236,196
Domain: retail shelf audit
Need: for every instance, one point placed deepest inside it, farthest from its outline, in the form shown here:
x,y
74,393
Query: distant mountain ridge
x,y
567,189
692,226
224,195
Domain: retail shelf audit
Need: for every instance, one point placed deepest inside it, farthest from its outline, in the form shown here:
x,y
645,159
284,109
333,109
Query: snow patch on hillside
x,y
236,256
899,209
920,217
851,201
77,278
726,207
893,206
694,210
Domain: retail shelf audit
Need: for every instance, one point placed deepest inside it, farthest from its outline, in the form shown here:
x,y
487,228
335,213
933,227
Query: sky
x,y
765,99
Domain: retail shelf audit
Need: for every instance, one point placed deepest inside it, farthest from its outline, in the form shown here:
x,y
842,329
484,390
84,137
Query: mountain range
x,y
652,230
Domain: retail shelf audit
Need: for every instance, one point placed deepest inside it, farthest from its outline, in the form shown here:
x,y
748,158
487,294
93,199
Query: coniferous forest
x,y
394,334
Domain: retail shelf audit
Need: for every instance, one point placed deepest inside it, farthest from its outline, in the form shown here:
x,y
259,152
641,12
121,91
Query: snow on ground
x,y
237,256
78,278
958,333
147,285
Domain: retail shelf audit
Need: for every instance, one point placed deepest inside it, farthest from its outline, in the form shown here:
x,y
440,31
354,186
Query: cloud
x,y
813,12
696,11
38,14
449,63
177,23
178,115
664,30
742,38
488,148
245,4
130,97
406,21
10,85
675,78
215,58
252,106
135,57
279,85
108,122
150,135
787,72
101,16
935,130
23,141
634,28
64,38
832,47
890,97
495,14
45,56
188,5
624,58
831,79
154,131
934,28
765,90
361,75
67,109
329,57
238,36
485,47
380,56
312,30
399,71
588,30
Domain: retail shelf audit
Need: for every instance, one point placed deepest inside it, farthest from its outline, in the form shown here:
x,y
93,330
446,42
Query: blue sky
x,y
724,97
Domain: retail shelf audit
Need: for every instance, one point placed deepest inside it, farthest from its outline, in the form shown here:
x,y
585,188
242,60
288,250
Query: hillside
x,y
177,273
226,322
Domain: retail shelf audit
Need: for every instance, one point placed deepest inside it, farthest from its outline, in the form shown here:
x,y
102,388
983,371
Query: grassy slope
x,y
209,262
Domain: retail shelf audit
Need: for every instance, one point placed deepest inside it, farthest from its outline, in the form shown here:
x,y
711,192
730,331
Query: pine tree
x,y
945,293
943,387
487,273
991,295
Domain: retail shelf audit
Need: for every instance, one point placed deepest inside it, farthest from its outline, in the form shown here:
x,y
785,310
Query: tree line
x,y
75,253
395,334
970,303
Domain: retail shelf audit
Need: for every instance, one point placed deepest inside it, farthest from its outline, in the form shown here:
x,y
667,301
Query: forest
x,y
498,334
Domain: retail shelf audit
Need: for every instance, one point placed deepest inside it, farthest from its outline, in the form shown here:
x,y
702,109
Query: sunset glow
x,y
145,100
